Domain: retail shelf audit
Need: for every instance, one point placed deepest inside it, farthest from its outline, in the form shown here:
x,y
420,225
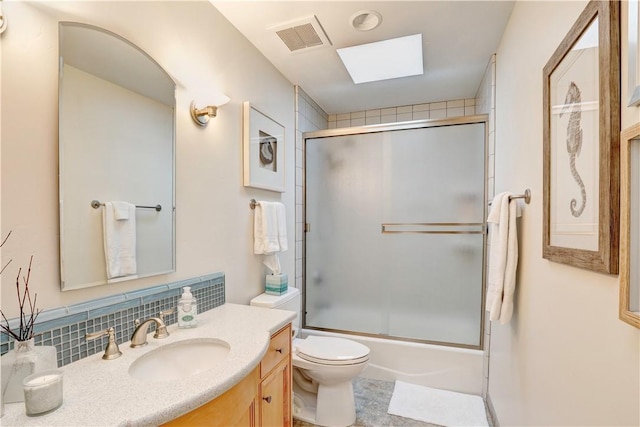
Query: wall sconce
x,y
3,20
201,116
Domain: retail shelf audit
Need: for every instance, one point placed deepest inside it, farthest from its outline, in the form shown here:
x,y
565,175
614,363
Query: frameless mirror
x,y
116,143
630,226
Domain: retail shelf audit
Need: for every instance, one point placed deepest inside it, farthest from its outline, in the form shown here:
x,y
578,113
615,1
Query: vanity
x,y
262,398
250,385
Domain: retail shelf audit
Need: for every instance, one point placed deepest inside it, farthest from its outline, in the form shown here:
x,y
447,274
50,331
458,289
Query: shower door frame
x,y
416,124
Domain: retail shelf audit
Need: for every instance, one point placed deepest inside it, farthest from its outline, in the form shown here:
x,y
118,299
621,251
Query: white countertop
x,y
102,393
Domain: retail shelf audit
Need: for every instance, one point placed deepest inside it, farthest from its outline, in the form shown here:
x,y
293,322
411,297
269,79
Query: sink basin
x,y
179,360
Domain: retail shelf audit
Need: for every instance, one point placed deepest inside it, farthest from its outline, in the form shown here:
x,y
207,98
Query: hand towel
x,y
270,233
281,218
503,257
511,265
269,228
119,241
121,210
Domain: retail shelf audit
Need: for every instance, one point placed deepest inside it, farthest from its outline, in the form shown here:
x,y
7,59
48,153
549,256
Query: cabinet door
x,y
248,418
275,397
236,407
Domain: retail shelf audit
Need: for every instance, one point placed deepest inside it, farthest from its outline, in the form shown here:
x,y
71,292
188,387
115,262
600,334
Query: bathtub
x,y
448,368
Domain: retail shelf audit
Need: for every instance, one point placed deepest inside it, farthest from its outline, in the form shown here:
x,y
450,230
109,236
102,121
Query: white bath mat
x,y
446,408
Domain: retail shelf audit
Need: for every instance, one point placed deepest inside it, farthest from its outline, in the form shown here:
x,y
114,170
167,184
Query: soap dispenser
x,y
187,309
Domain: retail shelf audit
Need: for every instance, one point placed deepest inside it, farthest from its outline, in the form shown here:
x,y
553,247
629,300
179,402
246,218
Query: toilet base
x,y
332,406
304,409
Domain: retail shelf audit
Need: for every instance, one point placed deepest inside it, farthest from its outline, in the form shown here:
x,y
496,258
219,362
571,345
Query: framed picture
x,y
629,311
633,41
581,113
263,150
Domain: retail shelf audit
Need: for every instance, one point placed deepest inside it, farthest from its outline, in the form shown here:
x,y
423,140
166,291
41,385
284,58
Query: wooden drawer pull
x,y
267,399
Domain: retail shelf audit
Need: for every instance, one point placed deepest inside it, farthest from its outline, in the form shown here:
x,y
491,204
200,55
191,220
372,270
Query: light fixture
x,y
365,20
386,59
3,20
201,116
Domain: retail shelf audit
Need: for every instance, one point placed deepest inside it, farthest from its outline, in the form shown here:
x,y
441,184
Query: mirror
x,y
630,226
116,143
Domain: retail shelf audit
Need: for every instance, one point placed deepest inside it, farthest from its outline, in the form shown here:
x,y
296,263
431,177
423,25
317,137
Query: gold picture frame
x,y
581,139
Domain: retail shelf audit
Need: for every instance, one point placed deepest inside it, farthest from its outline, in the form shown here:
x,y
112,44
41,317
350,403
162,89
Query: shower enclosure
x,y
395,230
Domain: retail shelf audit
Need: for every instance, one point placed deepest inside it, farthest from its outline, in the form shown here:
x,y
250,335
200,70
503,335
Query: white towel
x,y
269,228
119,241
270,233
503,258
121,210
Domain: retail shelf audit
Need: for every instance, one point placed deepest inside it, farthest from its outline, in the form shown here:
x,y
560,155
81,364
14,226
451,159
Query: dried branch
x,y
27,320
1,245
6,329
5,239
5,266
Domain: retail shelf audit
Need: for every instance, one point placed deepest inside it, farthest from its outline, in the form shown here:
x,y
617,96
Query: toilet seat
x,y
332,351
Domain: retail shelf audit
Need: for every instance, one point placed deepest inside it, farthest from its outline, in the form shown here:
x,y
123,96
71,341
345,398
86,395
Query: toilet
x,y
323,368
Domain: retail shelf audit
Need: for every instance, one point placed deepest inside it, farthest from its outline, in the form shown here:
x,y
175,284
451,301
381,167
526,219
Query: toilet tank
x,y
290,300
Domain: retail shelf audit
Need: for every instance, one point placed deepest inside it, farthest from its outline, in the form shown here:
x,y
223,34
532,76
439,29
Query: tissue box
x,y
276,284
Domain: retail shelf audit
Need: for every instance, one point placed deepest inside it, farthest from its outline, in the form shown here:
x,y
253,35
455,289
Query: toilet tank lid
x,y
274,301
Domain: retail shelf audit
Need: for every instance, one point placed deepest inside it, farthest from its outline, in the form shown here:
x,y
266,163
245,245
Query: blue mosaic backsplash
x,y
66,327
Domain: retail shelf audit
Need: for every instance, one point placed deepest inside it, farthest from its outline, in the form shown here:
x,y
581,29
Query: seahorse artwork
x,y
574,142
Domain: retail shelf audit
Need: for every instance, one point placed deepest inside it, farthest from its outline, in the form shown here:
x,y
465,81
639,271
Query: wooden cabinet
x,y
262,398
274,397
236,407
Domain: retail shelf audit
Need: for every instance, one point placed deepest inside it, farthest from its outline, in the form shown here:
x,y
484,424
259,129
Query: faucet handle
x,y
167,312
161,328
111,351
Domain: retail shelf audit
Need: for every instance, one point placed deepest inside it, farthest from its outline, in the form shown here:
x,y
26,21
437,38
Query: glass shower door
x,y
396,240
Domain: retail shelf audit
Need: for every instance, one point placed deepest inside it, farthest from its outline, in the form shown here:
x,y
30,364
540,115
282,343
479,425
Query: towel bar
x,y
95,204
526,196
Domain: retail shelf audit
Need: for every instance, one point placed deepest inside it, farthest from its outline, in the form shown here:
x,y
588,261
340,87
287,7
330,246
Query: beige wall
x,y
565,358
204,54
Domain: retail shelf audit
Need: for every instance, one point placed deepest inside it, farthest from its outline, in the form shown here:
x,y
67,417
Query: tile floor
x,y
372,402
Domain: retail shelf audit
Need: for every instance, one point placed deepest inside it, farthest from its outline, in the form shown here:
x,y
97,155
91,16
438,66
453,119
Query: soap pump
x,y
187,309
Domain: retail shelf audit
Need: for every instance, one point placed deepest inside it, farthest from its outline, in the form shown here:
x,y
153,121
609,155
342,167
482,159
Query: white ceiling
x,y
458,39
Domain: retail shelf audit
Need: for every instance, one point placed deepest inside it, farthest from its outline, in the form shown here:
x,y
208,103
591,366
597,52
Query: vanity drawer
x,y
279,349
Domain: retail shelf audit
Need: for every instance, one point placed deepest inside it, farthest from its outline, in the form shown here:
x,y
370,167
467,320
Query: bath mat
x,y
446,408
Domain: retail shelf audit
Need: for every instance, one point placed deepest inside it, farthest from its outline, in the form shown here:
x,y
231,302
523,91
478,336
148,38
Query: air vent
x,y
302,34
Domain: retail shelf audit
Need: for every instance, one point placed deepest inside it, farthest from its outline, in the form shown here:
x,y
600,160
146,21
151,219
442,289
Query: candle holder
x,y
43,392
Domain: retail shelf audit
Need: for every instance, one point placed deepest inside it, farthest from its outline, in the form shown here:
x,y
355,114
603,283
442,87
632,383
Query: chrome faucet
x,y
139,337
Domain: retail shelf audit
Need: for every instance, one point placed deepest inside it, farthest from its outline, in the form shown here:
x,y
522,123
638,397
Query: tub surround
x,y
101,392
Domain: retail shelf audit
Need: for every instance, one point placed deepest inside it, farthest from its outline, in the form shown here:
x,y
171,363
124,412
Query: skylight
x,y
387,59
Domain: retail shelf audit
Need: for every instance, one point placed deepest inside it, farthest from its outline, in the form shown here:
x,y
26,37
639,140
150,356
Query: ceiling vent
x,y
302,34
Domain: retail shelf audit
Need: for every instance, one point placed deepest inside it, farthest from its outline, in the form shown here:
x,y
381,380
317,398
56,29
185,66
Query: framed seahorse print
x,y
581,140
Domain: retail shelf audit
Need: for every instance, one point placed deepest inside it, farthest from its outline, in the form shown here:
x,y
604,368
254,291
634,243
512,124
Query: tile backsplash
x,y
432,110
66,327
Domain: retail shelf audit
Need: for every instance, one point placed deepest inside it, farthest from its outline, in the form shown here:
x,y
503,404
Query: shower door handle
x,y
434,228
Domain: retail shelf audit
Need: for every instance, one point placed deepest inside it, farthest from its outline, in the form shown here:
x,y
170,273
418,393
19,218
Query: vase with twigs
x,y
26,358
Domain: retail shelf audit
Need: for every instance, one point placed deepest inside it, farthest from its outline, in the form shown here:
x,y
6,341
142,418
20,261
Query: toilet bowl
x,y
323,369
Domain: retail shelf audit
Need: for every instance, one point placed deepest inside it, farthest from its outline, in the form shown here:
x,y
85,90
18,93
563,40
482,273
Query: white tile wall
x,y
309,117
404,113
